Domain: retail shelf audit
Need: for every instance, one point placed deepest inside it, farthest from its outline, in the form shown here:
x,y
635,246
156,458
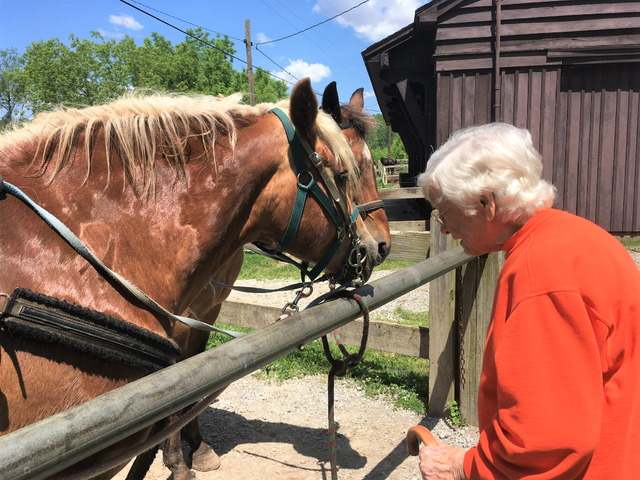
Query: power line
x,y
274,62
212,46
185,21
308,38
345,28
312,26
186,33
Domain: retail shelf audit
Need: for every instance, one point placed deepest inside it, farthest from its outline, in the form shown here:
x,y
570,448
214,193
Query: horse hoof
x,y
183,474
205,459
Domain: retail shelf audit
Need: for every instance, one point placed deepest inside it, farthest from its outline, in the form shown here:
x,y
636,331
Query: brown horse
x,y
164,190
355,125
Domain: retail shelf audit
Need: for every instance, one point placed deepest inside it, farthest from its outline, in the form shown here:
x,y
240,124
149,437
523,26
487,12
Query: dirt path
x,y
263,430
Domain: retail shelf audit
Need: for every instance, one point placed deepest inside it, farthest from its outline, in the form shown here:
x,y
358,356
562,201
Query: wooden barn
x,y
566,70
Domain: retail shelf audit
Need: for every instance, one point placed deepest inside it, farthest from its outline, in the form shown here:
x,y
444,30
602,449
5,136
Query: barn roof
x,y
460,35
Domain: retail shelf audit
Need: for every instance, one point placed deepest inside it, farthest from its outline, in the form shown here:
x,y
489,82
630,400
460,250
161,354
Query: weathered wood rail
x,y
410,238
388,337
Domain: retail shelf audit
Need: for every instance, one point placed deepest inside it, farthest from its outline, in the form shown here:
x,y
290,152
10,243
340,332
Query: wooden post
x,y
442,331
247,41
460,306
476,288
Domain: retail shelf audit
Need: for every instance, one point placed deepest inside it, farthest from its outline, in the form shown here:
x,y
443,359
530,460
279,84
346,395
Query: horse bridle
x,y
344,221
369,206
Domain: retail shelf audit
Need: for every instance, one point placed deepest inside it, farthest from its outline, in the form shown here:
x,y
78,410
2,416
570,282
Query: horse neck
x,y
170,244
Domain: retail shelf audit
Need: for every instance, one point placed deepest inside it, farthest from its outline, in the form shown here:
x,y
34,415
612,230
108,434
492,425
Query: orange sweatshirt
x,y
559,394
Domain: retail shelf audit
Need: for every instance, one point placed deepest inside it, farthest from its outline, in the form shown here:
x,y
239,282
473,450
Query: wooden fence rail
x,y
388,337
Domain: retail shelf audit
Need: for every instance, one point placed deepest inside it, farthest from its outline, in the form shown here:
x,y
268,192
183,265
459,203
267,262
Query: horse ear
x,y
331,103
357,100
303,108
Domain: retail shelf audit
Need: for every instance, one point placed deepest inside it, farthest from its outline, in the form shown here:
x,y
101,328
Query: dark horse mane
x,y
361,120
138,129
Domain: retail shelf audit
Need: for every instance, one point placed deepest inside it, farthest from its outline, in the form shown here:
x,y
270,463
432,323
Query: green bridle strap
x,y
298,207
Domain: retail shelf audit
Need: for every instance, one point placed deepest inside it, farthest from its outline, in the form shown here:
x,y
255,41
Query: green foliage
x,y
94,71
455,415
378,141
12,92
267,89
401,379
86,72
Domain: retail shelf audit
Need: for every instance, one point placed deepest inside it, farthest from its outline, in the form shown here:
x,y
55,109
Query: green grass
x,y
401,379
632,244
407,317
259,267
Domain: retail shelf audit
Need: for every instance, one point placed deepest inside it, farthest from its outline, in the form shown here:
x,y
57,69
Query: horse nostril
x,y
383,249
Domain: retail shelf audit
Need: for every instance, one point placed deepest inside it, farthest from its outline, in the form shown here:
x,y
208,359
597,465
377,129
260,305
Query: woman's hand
x,y
442,462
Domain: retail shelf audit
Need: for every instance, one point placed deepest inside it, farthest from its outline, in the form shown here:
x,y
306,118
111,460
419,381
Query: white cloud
x,y
301,69
107,34
261,38
375,19
125,21
369,94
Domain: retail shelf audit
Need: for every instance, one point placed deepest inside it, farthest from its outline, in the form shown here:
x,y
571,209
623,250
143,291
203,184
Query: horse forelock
x,y
137,127
361,120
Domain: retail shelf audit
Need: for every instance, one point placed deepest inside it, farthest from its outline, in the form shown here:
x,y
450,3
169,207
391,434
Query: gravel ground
x,y
415,301
268,430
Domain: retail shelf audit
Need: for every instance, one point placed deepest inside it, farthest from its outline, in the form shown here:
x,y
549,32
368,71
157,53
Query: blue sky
x,y
326,53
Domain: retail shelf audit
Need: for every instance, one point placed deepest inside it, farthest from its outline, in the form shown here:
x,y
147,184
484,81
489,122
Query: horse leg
x,y
206,308
172,455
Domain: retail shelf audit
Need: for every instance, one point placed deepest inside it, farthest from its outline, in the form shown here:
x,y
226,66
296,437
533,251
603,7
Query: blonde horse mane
x,y
139,127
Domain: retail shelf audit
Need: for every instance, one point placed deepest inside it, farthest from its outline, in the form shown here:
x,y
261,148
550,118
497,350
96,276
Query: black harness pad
x,y
33,316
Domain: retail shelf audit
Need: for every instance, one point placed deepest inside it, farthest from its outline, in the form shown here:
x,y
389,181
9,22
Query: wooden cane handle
x,y
417,433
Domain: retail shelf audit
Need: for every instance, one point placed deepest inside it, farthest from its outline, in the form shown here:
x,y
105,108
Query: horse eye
x,y
343,175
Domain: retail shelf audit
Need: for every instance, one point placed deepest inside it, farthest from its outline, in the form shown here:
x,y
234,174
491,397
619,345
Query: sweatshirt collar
x,y
531,224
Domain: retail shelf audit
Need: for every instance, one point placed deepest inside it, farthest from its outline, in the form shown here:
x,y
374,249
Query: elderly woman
x,y
559,395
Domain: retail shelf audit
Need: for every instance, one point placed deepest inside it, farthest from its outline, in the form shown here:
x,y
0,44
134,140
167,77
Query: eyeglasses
x,y
437,216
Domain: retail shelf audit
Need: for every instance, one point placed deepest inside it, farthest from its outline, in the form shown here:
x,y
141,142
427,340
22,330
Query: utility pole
x,y
247,41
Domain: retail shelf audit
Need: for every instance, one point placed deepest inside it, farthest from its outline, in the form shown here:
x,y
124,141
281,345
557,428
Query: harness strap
x,y
371,206
340,219
85,253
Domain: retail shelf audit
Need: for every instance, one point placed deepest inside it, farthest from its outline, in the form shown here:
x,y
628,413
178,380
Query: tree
x,y
12,91
94,71
83,73
267,89
378,141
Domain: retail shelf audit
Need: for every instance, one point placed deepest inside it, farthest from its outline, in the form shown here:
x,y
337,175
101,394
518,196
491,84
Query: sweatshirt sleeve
x,y
549,393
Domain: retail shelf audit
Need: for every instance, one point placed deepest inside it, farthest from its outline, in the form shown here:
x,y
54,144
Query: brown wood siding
x,y
540,33
584,121
463,100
